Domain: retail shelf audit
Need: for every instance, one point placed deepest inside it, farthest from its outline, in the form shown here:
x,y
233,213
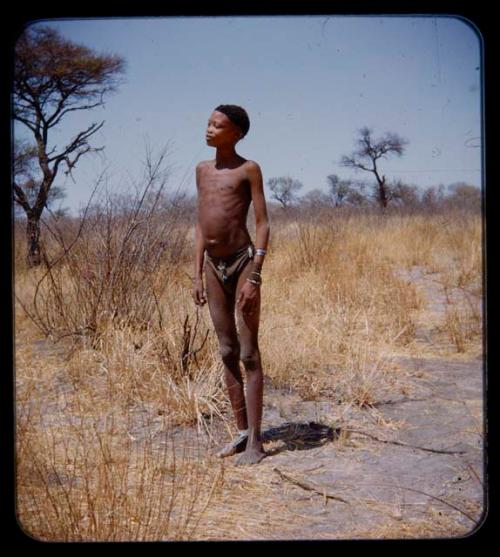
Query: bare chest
x,y
227,182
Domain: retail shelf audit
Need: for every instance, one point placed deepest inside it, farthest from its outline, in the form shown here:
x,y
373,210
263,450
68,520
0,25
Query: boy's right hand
x,y
199,292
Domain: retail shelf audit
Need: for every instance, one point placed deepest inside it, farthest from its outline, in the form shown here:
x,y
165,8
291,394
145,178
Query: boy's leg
x,y
221,307
248,327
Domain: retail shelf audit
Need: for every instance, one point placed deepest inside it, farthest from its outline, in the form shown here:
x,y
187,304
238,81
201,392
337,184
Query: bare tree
x,y
53,77
284,189
464,196
404,195
370,151
344,192
315,198
338,189
433,197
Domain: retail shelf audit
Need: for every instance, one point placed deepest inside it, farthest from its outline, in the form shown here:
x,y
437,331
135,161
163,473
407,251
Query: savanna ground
x,y
371,340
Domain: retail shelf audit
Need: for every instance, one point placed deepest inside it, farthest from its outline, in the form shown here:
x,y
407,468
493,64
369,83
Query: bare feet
x,y
251,456
238,445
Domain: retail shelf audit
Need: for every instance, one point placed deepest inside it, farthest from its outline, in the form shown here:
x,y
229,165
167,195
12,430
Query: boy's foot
x,y
252,455
237,445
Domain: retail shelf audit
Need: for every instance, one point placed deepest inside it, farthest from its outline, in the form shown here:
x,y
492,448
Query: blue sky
x,y
309,83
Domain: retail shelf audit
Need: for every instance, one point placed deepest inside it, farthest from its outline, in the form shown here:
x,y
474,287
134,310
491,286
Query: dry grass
x,y
337,316
87,482
436,524
97,458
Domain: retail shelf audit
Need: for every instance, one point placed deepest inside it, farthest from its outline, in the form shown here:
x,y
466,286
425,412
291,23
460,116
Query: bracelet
x,y
258,283
260,251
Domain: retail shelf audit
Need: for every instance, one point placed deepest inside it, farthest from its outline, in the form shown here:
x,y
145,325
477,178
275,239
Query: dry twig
x,y
438,451
308,486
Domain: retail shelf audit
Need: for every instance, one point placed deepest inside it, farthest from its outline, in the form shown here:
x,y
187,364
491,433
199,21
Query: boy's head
x,y
237,115
235,118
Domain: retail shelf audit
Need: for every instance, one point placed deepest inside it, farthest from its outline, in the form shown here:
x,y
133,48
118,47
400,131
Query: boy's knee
x,y
251,359
230,352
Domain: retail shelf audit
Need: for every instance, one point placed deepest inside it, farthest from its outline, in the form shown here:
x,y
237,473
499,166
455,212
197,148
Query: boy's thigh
x,y
248,323
221,304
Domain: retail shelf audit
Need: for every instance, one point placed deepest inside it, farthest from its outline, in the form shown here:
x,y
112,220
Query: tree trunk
x,y
33,237
383,196
382,193
382,190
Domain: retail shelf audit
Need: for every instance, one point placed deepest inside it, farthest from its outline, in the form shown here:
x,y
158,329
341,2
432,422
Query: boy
x,y
232,265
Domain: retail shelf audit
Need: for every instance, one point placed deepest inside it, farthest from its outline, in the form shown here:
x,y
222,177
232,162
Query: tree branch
x,y
51,123
20,198
28,123
77,142
70,164
352,162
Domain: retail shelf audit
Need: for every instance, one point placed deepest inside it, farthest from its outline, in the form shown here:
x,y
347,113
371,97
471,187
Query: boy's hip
x,y
229,267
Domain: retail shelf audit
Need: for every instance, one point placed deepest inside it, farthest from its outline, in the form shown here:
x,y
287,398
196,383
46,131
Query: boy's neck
x,y
225,155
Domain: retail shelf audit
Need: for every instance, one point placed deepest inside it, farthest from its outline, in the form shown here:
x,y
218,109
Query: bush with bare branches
x,y
113,263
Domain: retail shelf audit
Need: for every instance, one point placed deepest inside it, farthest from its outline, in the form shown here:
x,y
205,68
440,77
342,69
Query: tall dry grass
x,y
97,454
85,477
339,307
448,248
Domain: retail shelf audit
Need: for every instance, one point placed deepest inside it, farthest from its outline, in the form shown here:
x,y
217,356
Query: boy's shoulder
x,y
203,164
247,163
252,166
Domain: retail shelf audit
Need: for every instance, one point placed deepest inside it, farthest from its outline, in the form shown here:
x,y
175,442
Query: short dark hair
x,y
237,115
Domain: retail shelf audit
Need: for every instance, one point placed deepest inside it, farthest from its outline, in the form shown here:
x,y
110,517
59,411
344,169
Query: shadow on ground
x,y
299,436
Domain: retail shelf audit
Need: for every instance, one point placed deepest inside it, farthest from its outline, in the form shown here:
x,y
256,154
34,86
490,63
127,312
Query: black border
x,y
482,18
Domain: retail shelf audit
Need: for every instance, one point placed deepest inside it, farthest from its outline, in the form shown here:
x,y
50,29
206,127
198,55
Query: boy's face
x,y
221,131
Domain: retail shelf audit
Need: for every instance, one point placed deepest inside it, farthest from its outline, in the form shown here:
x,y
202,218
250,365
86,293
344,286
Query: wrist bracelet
x,y
258,283
260,251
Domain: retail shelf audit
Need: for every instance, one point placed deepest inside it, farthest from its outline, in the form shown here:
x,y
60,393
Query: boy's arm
x,y
261,220
199,252
198,291
198,243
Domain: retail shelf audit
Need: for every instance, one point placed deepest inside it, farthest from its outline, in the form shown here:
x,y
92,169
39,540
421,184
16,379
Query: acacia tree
x,y
370,151
24,172
53,77
284,189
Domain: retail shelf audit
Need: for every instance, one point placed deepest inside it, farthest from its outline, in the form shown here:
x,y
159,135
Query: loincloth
x,y
227,269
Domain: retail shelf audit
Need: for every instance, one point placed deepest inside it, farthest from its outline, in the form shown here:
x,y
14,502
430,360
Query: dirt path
x,y
412,467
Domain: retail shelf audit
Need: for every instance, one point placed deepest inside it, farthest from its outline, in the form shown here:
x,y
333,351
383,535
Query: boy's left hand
x,y
248,297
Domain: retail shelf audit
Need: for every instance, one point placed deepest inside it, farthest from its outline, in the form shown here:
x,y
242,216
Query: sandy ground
x,y
410,467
